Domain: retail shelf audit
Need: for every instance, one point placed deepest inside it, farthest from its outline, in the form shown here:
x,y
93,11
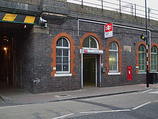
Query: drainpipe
x,y
116,25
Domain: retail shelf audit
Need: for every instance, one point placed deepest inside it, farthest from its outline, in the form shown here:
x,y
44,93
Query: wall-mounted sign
x,y
108,30
102,65
127,48
91,51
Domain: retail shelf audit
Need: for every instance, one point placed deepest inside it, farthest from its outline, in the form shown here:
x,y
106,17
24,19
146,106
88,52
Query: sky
x,y
150,3
128,6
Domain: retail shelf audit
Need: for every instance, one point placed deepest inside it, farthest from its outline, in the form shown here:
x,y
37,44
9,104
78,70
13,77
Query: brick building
x,y
53,45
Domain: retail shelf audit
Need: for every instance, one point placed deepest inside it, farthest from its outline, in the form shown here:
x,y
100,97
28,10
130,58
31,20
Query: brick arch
x,y
72,54
93,35
119,55
154,44
137,55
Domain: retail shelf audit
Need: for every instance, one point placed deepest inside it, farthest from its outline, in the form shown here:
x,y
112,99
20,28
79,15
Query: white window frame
x,y
141,59
90,43
154,53
64,73
112,72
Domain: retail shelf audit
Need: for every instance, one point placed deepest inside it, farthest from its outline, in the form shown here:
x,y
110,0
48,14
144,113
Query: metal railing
x,y
119,6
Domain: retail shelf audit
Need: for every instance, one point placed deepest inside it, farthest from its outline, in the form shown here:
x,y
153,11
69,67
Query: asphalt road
x,y
149,111
140,105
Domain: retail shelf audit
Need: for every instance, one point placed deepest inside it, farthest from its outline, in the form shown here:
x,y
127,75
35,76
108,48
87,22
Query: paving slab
x,y
14,95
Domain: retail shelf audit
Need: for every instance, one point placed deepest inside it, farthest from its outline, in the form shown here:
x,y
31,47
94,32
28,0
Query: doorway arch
x,y
90,60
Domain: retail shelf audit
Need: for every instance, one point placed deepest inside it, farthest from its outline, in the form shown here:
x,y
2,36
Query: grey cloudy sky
x,y
150,3
128,6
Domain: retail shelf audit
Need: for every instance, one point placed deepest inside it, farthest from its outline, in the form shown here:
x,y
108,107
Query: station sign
x,y
108,30
91,51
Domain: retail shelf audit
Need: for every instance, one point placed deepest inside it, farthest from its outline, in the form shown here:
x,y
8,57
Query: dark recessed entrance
x,y
12,41
91,67
89,70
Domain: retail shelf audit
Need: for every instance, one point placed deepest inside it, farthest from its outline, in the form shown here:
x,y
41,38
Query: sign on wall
x,y
108,30
91,51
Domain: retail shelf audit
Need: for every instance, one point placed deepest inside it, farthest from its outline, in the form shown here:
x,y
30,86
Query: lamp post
x,y
147,47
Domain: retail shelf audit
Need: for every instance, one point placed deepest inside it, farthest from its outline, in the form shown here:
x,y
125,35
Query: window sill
x,y
62,75
142,72
114,73
153,72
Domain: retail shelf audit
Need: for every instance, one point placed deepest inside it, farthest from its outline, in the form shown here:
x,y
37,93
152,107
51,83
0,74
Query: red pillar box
x,y
129,73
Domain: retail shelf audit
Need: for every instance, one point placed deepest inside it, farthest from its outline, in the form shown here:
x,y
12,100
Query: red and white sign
x,y
108,30
102,65
93,51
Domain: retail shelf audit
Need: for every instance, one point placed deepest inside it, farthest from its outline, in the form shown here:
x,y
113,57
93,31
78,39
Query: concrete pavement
x,y
12,95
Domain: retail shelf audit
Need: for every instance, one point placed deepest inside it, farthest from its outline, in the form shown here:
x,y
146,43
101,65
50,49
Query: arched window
x,y
90,43
142,58
154,58
113,57
63,55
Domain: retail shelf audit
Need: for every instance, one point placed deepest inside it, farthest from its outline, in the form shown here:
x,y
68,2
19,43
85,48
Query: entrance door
x,y
89,70
91,67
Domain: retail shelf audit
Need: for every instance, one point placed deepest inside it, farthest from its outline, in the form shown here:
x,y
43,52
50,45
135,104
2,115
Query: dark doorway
x,y
12,36
89,70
